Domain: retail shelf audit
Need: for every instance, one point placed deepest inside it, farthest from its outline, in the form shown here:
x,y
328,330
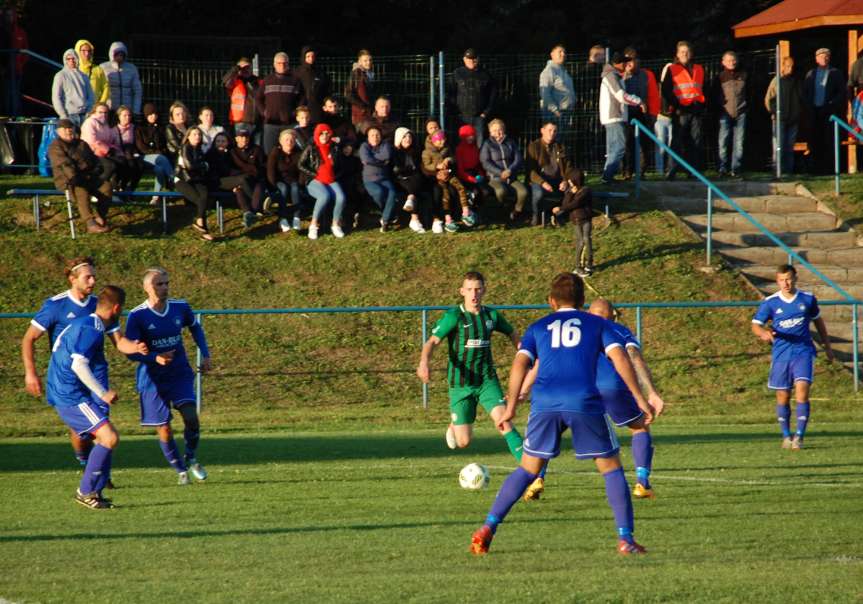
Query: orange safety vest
x,y
238,102
688,88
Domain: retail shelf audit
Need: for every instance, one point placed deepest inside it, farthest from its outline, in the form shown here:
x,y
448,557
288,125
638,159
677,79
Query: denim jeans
x,y
271,136
383,193
729,128
323,194
662,129
162,168
789,137
615,148
537,193
290,199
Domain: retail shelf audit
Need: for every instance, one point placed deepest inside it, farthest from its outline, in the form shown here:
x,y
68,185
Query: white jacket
x,y
613,99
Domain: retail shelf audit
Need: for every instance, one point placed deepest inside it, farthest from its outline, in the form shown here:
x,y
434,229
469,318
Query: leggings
x,y
196,193
583,243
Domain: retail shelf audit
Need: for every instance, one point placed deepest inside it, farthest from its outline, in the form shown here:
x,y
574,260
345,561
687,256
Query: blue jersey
x,y
83,337
60,310
567,344
607,377
790,323
162,332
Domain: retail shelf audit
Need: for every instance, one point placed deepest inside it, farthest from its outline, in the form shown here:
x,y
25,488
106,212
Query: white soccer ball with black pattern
x,y
474,477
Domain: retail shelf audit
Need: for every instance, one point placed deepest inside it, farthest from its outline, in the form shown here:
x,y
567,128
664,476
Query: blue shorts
x,y
156,403
592,435
84,418
620,406
783,374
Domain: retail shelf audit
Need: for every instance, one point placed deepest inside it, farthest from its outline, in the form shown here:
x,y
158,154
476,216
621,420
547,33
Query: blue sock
x,y
642,455
783,414
169,449
99,460
105,476
544,470
802,418
510,492
191,437
617,492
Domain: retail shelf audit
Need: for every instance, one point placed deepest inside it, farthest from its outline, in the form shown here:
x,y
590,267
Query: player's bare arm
x,y
529,379
127,346
764,334
165,358
624,368
645,378
821,328
206,365
423,371
28,355
520,368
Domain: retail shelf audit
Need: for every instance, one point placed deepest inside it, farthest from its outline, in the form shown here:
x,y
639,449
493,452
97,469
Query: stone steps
x,y
774,256
817,240
806,278
797,222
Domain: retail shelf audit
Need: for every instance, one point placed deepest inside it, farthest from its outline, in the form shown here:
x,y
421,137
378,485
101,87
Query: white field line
x,y
734,481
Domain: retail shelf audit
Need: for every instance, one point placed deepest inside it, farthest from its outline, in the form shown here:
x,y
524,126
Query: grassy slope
x,y
332,371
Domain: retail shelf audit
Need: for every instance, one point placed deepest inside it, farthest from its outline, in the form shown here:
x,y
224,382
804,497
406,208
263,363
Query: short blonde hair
x,y
497,122
152,272
287,133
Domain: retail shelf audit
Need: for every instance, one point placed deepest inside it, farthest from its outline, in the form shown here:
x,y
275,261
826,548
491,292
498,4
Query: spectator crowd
x,y
287,150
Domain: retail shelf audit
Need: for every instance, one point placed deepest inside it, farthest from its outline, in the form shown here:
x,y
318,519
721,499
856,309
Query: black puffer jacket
x,y
192,165
150,139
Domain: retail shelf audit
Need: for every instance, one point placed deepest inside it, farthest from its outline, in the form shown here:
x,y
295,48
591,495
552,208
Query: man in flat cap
x,y
824,94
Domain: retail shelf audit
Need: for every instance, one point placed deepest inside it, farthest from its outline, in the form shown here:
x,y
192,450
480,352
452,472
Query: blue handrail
x,y
837,123
35,55
640,128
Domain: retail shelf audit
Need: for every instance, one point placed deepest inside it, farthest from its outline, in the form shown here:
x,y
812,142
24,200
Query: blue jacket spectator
x,y
377,156
503,162
556,92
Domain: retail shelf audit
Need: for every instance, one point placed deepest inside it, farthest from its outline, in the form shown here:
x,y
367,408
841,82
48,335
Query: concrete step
x,y
770,204
774,255
692,187
840,274
817,240
797,222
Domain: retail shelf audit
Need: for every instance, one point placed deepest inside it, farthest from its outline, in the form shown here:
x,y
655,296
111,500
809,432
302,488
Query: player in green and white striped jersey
x,y
471,374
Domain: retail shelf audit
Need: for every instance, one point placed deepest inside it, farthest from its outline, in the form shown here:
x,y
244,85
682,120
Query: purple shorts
x,y
156,403
592,435
620,406
783,374
84,418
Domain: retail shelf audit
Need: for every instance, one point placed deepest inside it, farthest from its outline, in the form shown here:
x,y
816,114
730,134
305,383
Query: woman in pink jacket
x,y
104,140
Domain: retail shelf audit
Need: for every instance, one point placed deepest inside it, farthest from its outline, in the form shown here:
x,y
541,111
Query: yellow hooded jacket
x,y
98,81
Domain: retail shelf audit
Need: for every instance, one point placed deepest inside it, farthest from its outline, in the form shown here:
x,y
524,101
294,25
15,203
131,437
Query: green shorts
x,y
463,400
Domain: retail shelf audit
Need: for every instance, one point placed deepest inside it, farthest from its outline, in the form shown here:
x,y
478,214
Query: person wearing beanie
x,y
151,143
407,170
86,51
123,79
469,169
71,93
316,82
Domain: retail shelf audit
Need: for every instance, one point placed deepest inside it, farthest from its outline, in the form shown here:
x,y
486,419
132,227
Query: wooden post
x,y
853,47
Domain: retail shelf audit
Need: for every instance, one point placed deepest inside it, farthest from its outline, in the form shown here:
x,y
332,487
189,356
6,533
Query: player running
x,y
620,405
77,373
471,374
790,311
567,343
164,377
52,318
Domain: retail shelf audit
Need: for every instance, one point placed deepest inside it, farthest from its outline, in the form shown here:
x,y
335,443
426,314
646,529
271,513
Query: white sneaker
x,y
198,471
416,226
183,479
450,438
284,225
297,224
437,227
313,231
337,231
409,204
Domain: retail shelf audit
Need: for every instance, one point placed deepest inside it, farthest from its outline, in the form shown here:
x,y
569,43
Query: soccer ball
x,y
474,477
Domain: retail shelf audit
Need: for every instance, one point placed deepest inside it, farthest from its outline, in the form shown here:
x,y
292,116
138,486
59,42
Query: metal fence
x,y
639,310
413,83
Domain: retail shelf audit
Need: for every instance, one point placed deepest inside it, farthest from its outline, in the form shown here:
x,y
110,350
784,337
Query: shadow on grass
x,y
660,251
731,437
232,450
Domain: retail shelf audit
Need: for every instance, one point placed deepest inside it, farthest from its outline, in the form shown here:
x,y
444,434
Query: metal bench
x,y
36,194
